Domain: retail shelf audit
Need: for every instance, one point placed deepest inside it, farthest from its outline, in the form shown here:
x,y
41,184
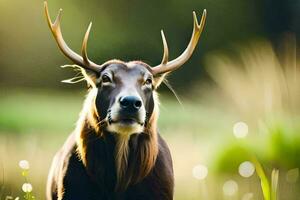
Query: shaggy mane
x,y
141,148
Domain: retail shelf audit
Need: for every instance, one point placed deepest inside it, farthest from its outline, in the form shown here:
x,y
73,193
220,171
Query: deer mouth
x,y
127,121
124,123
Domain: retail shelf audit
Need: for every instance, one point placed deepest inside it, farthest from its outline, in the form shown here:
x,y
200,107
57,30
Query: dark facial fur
x,y
121,80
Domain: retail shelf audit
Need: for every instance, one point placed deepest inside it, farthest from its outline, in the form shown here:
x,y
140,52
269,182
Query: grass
x,y
25,110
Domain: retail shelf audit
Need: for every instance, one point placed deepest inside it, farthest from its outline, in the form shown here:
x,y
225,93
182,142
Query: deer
x,y
115,150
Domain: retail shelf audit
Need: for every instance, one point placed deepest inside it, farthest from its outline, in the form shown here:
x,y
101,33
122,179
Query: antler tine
x,y
56,31
84,45
179,61
166,49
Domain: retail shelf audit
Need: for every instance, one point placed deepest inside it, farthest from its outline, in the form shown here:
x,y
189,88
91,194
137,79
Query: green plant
x,y
269,191
26,187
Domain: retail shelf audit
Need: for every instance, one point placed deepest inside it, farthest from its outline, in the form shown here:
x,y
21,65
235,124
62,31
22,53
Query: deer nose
x,y
130,103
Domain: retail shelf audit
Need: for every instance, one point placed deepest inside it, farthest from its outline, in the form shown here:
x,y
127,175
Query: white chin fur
x,y
124,129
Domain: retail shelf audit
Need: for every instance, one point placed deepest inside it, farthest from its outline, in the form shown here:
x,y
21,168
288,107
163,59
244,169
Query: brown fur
x,y
147,152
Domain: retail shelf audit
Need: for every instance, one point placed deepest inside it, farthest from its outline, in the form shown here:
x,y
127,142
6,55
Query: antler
x,y
167,66
83,60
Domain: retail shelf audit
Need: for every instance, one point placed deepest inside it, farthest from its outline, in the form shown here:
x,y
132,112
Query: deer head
x,y
124,91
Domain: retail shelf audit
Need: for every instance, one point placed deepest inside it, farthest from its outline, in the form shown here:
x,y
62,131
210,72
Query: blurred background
x,y
239,94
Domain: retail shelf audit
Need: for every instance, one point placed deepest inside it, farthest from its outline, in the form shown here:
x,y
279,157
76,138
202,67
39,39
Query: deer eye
x,y
106,79
148,81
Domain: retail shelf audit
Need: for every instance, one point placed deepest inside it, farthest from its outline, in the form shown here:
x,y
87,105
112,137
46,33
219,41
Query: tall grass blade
x,y
275,175
265,185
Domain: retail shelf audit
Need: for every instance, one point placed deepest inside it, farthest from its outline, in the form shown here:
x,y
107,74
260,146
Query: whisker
x,y
165,81
73,80
102,121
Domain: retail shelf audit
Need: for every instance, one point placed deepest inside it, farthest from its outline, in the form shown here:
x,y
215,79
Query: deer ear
x,y
90,77
159,79
84,74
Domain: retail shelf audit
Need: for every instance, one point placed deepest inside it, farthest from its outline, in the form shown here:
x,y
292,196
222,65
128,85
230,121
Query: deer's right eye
x,y
106,79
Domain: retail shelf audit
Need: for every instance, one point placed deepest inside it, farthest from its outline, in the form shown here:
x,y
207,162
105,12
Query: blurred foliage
x,y
284,147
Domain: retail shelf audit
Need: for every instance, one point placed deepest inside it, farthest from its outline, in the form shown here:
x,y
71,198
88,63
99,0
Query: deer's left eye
x,y
106,79
148,81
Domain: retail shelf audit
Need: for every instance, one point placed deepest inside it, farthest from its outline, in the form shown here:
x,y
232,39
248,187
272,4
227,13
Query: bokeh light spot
x,y
24,164
246,169
200,172
240,129
230,188
27,187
